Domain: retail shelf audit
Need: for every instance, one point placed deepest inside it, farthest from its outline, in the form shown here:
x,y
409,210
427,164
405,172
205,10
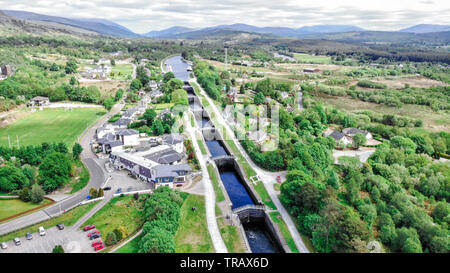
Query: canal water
x,y
257,235
179,67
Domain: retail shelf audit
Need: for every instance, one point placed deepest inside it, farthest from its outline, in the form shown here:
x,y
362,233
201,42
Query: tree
x,y
149,116
54,171
111,239
157,240
441,211
76,150
113,62
37,194
359,140
71,67
93,193
100,192
242,89
24,194
12,178
168,76
157,128
259,99
135,85
108,103
119,94
180,97
412,245
58,249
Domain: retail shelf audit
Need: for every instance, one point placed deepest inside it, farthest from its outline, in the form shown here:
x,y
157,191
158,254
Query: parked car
x,y
278,179
95,236
60,226
4,245
96,243
119,190
99,247
42,231
107,188
93,232
88,227
29,236
16,241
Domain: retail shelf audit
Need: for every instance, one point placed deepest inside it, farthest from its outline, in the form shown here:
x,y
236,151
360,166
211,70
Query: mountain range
x,y
106,27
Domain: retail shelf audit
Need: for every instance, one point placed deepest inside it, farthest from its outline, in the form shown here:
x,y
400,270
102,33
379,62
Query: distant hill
x,y
219,34
329,29
168,32
180,32
96,25
12,26
424,28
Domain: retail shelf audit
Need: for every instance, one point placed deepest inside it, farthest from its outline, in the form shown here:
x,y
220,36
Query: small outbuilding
x,y
39,101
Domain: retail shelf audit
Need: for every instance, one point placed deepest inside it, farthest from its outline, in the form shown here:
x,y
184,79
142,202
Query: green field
x,y
192,235
120,211
14,206
50,125
132,246
306,58
276,218
69,218
121,72
212,174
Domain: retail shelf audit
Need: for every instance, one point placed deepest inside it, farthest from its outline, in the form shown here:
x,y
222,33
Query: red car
x,y
93,232
278,179
99,247
96,243
89,227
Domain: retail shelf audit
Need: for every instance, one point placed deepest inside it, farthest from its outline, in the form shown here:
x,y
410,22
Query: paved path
x,y
126,242
268,178
210,195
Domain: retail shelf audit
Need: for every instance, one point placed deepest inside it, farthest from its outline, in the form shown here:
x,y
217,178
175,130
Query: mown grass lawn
x,y
217,189
14,206
82,177
276,218
192,235
50,125
231,237
306,58
69,218
120,211
132,246
121,72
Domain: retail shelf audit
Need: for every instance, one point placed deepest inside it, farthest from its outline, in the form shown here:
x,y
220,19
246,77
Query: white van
x,y
42,231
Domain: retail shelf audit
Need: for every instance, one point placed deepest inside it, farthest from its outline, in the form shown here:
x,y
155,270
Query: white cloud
x,y
143,15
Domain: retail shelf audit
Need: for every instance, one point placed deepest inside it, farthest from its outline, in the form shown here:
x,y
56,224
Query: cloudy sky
x,y
145,15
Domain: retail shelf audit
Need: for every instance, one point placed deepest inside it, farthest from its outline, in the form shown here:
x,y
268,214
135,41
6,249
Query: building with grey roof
x,y
169,174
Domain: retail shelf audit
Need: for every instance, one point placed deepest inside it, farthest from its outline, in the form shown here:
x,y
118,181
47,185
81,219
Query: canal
x,y
258,237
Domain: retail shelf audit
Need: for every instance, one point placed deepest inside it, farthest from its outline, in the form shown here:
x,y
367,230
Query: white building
x,y
129,137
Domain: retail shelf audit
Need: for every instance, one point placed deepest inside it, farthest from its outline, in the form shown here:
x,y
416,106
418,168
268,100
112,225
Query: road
x,y
97,178
268,178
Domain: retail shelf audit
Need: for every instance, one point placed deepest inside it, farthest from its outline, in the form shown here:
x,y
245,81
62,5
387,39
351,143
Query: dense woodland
x,y
399,197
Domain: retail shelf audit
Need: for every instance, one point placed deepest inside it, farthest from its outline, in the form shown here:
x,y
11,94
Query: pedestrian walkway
x,y
210,195
268,178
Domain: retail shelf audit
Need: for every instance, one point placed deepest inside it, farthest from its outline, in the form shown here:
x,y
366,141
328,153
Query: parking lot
x,y
73,241
121,179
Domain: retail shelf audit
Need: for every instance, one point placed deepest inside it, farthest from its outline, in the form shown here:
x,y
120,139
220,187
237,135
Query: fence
x,y
133,192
